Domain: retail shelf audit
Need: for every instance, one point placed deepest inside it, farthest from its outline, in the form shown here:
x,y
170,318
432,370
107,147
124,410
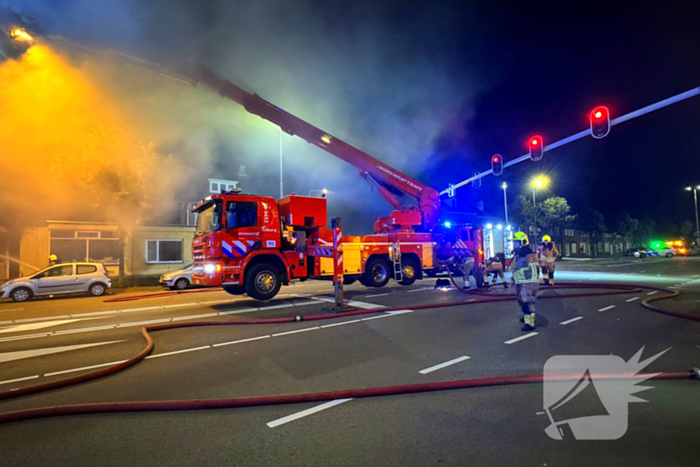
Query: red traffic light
x,y
600,122
536,146
497,164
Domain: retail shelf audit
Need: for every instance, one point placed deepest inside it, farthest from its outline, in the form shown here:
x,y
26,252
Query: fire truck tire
x,y
409,271
234,290
377,273
262,281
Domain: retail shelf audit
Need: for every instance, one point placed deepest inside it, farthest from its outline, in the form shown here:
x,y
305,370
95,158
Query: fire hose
x,y
148,406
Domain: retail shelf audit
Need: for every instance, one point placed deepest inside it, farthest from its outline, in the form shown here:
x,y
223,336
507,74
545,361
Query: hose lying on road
x,y
308,397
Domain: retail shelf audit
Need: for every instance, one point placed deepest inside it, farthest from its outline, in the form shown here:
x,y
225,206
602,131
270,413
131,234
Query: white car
x,y
91,278
178,280
667,252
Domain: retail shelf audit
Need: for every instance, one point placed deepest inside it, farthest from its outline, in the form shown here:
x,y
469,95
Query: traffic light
x,y
497,164
536,146
600,122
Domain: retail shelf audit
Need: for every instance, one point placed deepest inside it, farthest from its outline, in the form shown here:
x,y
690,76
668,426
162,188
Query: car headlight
x,y
209,268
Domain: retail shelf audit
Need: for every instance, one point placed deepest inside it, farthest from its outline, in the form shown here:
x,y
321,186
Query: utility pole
x,y
281,168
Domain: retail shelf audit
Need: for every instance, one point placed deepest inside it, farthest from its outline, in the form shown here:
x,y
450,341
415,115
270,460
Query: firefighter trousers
x,y
527,295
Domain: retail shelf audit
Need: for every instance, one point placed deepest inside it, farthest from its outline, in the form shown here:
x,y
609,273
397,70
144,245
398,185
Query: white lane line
x,y
376,317
12,309
19,379
607,308
419,290
179,352
95,313
22,354
43,318
235,312
75,331
376,295
295,331
304,413
139,323
339,324
654,292
178,305
569,321
286,305
129,310
518,339
214,302
250,339
29,336
363,305
183,318
632,299
443,365
83,368
398,312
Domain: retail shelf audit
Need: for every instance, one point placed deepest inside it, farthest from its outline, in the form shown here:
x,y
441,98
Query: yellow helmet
x,y
522,237
546,239
53,258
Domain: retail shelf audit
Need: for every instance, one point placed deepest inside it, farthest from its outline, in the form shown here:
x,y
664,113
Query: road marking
x,y
138,323
340,324
285,305
569,321
295,331
176,305
30,336
11,309
632,299
43,318
235,312
363,305
130,310
304,413
241,341
22,354
443,365
376,295
654,292
518,339
31,327
19,379
182,318
398,312
83,368
75,331
376,317
419,290
607,308
179,352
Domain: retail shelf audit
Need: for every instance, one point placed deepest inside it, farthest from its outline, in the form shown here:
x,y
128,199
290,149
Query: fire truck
x,y
250,244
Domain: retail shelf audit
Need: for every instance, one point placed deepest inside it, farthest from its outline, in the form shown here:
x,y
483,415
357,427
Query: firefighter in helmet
x,y
547,254
53,260
524,269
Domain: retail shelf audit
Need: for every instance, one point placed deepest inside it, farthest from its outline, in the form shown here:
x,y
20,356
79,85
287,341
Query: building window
x,y
569,232
585,234
573,248
217,186
164,251
607,247
72,246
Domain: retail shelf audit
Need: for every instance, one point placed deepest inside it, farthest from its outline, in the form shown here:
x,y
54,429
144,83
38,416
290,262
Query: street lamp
x,y
697,222
540,181
323,192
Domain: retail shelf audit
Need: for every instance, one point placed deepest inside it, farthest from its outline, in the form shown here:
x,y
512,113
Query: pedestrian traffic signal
x,y
497,164
600,122
536,146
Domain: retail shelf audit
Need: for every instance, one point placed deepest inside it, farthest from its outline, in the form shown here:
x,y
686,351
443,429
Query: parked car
x,y
91,278
667,252
178,280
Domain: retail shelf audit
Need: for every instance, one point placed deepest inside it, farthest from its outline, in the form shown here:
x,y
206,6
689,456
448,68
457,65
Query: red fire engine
x,y
254,244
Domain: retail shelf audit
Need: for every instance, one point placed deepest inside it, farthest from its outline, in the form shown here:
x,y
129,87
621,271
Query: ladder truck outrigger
x,y
250,244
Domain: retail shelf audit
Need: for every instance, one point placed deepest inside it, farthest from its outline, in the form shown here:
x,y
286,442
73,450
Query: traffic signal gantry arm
x,y
390,182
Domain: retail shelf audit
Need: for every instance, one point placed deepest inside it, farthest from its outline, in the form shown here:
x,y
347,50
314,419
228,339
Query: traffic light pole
x,y
582,134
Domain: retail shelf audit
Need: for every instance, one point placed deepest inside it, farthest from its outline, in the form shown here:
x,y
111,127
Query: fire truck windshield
x,y
208,219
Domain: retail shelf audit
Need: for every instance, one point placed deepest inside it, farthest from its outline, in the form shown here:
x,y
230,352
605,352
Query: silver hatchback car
x,y
91,278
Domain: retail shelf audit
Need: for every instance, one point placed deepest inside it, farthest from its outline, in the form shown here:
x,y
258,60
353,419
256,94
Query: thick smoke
x,y
373,76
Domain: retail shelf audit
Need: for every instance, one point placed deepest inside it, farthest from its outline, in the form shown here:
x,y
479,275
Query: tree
x,y
647,230
592,221
687,229
626,225
555,212
523,211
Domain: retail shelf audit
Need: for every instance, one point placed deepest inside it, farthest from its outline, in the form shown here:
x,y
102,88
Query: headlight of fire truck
x,y
209,268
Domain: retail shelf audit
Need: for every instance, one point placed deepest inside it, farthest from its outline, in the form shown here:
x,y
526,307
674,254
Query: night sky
x,y
551,66
433,88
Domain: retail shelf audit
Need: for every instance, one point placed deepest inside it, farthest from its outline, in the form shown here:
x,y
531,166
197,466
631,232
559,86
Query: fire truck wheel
x,y
234,290
376,273
409,271
262,281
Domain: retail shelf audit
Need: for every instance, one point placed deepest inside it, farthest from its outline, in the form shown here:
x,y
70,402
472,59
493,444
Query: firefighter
x,y
547,254
524,269
495,266
53,260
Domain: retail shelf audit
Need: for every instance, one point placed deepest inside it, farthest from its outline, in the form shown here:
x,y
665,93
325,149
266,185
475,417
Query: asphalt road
x,y
51,339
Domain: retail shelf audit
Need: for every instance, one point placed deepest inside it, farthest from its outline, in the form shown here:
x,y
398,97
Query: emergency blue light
x,y
447,224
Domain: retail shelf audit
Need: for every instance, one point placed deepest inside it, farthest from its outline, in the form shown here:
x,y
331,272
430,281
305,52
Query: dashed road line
x,y
295,331
632,299
443,365
17,380
518,339
569,321
72,370
652,293
607,308
176,352
240,341
340,324
305,413
377,295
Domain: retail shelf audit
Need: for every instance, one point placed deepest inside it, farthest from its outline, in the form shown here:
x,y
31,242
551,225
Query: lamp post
x,y
505,206
323,192
537,182
697,222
